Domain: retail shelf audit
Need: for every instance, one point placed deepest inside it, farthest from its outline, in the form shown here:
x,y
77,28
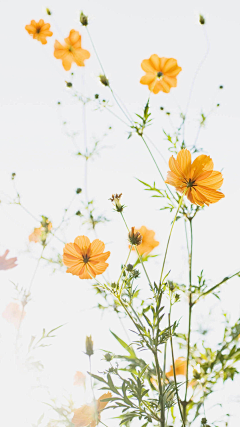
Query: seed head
x,y
201,20
104,80
83,19
115,199
135,238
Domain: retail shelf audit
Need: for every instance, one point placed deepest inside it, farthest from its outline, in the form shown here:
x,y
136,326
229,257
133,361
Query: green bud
x,y
68,84
78,213
129,267
48,11
104,80
83,19
201,20
78,190
108,357
96,96
89,346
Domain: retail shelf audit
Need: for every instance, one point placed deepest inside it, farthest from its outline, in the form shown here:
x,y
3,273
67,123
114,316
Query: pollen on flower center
x,y
38,30
70,49
159,74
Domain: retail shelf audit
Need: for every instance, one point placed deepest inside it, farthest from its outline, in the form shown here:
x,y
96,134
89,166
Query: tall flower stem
x,y
161,402
165,256
189,321
174,371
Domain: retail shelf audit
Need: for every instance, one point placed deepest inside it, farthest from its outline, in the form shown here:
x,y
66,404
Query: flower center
x,y
159,74
85,259
70,49
190,183
38,30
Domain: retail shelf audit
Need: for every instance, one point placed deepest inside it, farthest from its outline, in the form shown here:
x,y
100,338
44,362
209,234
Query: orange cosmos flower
x,y
6,264
160,73
39,30
180,367
199,178
89,415
36,235
79,379
83,257
71,51
148,241
13,314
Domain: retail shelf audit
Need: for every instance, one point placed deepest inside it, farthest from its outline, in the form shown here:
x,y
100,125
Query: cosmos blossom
x,y
161,73
148,240
39,30
197,178
85,259
89,415
71,51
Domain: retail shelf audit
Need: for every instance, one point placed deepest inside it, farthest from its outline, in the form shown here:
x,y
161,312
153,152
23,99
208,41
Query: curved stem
x,y
165,256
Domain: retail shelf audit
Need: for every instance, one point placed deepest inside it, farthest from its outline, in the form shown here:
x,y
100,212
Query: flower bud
x,y
204,421
129,267
89,346
13,175
78,213
108,357
48,11
171,285
201,20
104,80
96,96
78,190
83,19
135,238
115,199
68,84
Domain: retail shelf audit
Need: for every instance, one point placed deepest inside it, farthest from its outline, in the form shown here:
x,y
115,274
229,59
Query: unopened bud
x,y
108,357
201,20
89,346
129,267
78,190
115,199
83,19
68,84
48,11
104,80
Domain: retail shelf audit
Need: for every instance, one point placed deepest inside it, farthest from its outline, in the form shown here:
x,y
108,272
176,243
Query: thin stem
x,y
113,94
161,402
90,370
165,256
189,321
157,166
216,286
124,268
174,372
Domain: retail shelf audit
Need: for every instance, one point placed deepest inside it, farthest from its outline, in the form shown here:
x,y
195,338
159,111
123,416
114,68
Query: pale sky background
x,y
35,147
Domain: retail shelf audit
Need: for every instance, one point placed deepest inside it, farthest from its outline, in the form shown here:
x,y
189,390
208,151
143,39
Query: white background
x,y
35,147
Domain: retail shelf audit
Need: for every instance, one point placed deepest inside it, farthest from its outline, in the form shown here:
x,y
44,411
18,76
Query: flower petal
x,y
155,62
147,66
184,160
148,78
201,164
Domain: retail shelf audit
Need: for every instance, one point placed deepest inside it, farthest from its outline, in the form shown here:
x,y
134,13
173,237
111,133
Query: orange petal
x,y
82,244
148,78
184,160
97,268
96,247
211,195
171,81
155,62
102,405
83,416
171,68
147,66
76,269
200,165
74,36
156,86
70,249
215,180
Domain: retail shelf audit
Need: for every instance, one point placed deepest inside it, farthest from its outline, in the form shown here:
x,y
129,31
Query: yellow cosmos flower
x,y
160,74
180,367
89,415
199,178
72,51
85,259
148,240
39,30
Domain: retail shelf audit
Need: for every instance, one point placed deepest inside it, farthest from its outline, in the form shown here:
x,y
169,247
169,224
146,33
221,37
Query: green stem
x,y
165,256
157,167
216,286
174,372
189,322
161,402
124,268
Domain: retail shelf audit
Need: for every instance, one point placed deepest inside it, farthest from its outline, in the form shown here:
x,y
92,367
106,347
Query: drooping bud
x,y
48,11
